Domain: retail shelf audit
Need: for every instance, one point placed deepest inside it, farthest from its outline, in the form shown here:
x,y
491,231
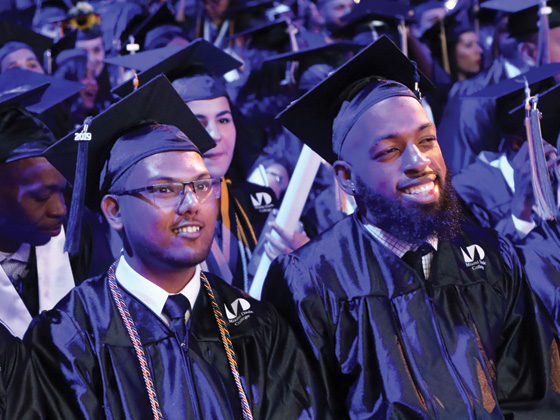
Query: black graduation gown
x,y
19,390
468,343
468,125
540,255
88,367
484,190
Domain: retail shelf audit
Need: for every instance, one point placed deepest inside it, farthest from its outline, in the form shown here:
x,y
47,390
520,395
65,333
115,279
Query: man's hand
x,y
285,244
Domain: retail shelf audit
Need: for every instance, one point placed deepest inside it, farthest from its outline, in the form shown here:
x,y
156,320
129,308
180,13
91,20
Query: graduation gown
x,y
468,125
468,343
540,254
20,396
88,367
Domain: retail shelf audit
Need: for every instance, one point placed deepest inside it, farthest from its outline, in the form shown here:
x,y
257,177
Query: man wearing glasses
x,y
155,337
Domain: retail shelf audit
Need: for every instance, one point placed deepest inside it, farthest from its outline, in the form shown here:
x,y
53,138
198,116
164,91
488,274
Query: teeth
x,y
420,189
187,229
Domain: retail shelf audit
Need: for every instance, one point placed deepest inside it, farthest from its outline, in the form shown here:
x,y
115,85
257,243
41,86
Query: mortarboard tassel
x,y
77,204
542,188
543,53
416,89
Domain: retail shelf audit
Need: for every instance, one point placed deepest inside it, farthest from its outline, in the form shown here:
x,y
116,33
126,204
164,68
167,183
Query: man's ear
x,y
344,176
112,211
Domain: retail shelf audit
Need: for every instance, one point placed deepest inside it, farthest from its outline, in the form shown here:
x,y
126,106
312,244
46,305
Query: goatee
x,y
414,223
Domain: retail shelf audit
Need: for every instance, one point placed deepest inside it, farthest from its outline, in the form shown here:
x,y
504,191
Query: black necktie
x,y
414,258
175,308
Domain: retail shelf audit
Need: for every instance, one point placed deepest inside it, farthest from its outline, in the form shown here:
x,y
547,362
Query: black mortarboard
x,y
155,102
549,107
322,60
50,11
311,117
367,11
152,119
199,56
57,89
36,42
140,25
268,35
83,19
21,134
523,19
510,96
248,13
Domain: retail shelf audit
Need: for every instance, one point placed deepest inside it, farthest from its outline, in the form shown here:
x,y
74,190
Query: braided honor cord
x,y
135,338
228,346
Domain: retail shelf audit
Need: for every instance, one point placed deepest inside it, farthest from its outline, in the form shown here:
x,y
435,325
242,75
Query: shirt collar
x,y
21,255
397,246
153,296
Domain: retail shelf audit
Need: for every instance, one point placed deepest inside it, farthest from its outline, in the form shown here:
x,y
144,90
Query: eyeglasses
x,y
171,194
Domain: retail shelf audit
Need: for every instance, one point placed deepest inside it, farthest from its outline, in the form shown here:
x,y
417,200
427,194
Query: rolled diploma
x,y
290,209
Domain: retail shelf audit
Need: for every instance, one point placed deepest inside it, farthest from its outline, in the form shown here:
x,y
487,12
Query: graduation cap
x,y
369,12
314,64
56,89
161,20
83,19
523,19
311,117
34,41
152,119
21,134
268,35
199,56
510,99
549,107
250,13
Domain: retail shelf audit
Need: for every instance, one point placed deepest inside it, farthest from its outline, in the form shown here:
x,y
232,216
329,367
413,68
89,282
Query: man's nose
x,y
414,159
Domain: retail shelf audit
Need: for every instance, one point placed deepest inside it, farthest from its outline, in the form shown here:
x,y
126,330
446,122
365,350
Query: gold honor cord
x,y
141,354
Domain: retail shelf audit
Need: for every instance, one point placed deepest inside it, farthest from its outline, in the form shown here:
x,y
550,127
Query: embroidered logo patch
x,y
262,201
240,311
474,257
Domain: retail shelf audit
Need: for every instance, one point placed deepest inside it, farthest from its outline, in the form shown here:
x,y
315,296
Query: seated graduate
x,y
410,311
243,207
154,336
21,47
35,269
497,187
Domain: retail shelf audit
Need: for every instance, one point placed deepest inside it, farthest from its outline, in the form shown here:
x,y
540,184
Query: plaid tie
x,y
175,308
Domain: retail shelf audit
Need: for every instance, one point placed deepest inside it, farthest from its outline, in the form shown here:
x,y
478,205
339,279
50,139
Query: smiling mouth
x,y
419,189
187,229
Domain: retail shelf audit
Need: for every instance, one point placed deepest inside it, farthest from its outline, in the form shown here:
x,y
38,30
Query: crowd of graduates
x,y
208,111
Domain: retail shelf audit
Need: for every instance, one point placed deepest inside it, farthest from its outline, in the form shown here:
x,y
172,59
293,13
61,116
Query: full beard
x,y
414,223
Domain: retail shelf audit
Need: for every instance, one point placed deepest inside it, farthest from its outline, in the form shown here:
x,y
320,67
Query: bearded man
x,y
410,311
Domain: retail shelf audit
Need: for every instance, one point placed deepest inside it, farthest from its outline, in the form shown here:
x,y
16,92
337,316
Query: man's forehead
x,y
171,164
380,121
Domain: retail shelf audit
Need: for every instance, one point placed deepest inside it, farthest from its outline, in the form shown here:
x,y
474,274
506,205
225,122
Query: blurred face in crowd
x,y
95,54
398,171
22,58
215,115
216,9
160,237
334,10
32,207
468,55
554,45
